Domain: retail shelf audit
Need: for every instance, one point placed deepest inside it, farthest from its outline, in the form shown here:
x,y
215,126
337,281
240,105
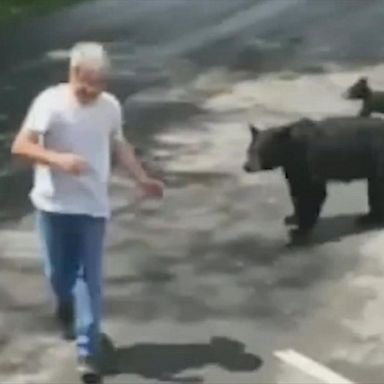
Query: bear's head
x,y
267,148
358,90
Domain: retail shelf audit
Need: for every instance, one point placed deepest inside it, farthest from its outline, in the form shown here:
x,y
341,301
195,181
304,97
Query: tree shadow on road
x,y
167,362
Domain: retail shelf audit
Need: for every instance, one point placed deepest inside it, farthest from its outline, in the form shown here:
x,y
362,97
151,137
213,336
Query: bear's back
x,y
339,130
343,148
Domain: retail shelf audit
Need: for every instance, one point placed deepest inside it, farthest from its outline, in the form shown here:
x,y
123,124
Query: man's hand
x,y
127,159
152,187
70,163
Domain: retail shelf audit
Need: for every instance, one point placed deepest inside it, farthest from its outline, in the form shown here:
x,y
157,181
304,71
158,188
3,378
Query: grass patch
x,y
13,10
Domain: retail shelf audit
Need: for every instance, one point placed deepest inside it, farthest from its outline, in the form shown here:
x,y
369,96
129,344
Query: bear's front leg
x,y
290,219
365,110
294,187
308,207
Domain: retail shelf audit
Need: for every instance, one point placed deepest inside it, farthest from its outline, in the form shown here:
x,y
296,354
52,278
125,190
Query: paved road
x,y
202,287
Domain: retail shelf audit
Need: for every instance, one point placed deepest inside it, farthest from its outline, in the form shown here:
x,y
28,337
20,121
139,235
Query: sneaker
x,y
65,317
88,370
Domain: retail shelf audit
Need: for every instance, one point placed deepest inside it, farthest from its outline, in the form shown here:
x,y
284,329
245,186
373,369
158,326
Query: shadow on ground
x,y
332,229
168,362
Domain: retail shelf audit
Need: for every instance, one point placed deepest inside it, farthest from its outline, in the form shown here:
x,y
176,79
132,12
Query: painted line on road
x,y
311,367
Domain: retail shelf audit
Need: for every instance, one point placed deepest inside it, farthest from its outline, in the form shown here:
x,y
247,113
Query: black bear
x,y
373,101
312,153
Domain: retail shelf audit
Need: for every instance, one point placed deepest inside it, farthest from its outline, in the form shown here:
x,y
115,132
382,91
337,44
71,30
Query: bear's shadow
x,y
331,228
167,362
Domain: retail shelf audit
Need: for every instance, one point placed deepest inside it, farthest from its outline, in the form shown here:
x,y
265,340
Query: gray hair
x,y
89,55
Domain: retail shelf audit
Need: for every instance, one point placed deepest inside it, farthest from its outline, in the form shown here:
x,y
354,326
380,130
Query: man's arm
x,y
35,125
127,159
26,145
126,156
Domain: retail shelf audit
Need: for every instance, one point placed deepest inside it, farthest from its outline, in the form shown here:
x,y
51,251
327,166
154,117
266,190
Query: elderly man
x,y
68,133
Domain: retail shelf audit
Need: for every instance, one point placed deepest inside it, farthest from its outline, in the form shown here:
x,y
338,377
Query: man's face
x,y
87,84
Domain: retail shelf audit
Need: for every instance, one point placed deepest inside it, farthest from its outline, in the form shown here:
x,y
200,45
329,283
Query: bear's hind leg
x,y
375,215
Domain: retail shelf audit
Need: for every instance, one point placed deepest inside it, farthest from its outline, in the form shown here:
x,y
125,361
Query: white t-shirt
x,y
65,125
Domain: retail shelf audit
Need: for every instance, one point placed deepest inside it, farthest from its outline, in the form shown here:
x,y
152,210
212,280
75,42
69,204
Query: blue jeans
x,y
73,248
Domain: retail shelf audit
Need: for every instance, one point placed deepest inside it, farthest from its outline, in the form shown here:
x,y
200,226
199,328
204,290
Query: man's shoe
x,y
88,370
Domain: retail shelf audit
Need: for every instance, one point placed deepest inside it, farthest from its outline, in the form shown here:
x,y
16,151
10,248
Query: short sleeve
x,y
39,114
117,133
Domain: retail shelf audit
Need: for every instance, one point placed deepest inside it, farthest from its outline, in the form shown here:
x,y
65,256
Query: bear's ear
x,y
254,131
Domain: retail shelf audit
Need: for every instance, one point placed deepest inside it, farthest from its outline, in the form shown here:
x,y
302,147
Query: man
x,y
68,134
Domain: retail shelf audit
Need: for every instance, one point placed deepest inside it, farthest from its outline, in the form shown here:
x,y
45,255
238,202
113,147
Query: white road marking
x,y
311,367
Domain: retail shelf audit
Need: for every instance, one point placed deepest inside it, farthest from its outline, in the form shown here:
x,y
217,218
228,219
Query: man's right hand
x,y
26,145
70,163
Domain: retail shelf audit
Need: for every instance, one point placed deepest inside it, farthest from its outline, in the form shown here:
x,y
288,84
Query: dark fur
x,y
373,101
312,153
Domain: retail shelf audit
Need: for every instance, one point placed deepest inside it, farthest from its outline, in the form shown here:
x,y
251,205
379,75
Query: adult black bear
x,y
373,101
312,153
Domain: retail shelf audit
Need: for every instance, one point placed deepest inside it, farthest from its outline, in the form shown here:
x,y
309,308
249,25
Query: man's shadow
x,y
166,362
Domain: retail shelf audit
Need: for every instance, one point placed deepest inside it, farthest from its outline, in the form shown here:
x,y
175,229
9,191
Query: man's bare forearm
x,y
127,159
32,151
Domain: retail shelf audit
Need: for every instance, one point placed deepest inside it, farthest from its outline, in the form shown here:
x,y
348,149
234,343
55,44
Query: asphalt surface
x,y
201,287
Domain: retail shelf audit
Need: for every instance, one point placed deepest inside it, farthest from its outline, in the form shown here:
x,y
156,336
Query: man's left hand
x,y
152,187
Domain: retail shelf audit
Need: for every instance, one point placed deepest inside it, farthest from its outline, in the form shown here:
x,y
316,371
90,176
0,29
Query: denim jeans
x,y
72,250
